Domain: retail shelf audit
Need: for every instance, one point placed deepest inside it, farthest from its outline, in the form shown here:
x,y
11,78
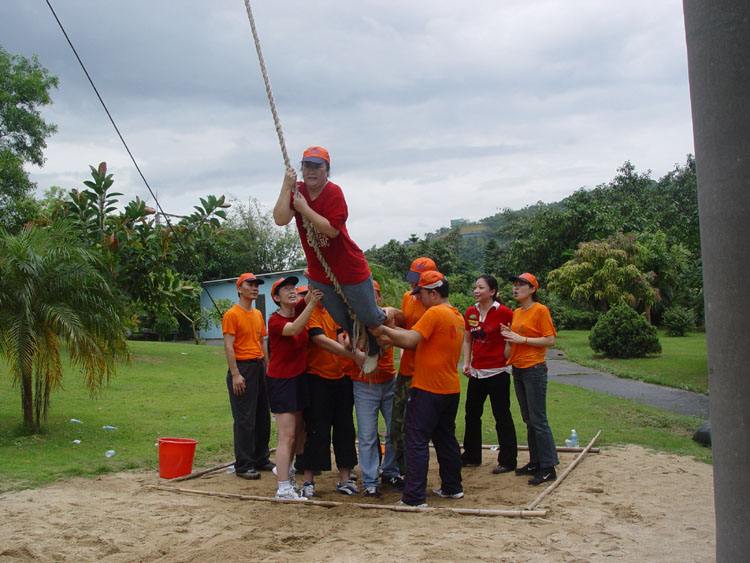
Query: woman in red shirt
x,y
286,378
322,203
484,365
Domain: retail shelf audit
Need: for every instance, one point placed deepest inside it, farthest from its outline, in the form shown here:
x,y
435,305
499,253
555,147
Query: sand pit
x,y
624,503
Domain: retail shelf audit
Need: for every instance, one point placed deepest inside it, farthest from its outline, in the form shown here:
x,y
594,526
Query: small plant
x,y
623,333
678,320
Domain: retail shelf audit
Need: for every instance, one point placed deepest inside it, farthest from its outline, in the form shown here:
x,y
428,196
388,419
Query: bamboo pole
x,y
512,513
564,474
564,449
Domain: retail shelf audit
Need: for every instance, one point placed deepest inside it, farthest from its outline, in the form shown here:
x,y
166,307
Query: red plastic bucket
x,y
176,457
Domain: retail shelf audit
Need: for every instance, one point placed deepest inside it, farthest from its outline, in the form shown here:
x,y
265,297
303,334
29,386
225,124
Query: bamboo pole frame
x,y
511,513
563,449
533,504
201,473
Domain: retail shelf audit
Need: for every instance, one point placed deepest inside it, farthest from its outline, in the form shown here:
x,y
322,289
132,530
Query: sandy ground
x,y
626,503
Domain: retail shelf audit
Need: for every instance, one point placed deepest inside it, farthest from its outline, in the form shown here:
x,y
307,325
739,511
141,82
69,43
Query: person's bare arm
x,y
467,352
282,212
537,341
298,325
238,382
397,336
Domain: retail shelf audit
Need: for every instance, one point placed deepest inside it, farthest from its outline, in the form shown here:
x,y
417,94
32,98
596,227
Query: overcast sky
x,y
432,110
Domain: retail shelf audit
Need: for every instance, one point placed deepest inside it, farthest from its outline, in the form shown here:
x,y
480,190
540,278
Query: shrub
x,y
623,333
678,320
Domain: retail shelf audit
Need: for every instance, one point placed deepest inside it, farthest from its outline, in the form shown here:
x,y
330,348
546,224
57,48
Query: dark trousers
x,y
252,417
430,416
329,417
531,391
497,388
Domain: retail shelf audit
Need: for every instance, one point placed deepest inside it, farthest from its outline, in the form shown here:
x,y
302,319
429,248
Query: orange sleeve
x,y
262,324
426,324
545,323
229,323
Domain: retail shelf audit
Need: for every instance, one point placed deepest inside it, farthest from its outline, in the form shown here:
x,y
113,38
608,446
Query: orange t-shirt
x,y
412,308
248,329
385,371
322,362
436,358
533,322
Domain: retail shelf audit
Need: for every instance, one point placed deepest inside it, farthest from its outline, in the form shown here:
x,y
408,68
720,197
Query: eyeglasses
x,y
312,165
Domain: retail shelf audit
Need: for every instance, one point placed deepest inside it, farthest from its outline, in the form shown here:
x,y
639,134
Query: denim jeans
x,y
369,399
531,391
361,297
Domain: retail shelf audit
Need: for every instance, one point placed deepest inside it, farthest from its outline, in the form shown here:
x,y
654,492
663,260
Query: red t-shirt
x,y
288,353
345,258
487,344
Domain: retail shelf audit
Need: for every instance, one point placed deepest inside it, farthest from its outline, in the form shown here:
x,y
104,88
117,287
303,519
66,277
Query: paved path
x,y
667,398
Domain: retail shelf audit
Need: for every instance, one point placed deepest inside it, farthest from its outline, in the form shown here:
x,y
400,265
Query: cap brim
x,y
522,280
291,280
314,159
412,276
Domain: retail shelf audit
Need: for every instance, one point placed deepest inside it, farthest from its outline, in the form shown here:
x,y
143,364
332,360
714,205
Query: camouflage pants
x,y
398,420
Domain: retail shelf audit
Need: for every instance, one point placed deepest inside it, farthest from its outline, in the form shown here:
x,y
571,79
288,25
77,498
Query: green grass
x,y
179,390
682,364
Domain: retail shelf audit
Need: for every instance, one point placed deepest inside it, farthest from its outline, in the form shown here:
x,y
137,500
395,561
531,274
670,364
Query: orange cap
x,y
290,280
430,279
319,155
527,278
247,276
302,289
419,265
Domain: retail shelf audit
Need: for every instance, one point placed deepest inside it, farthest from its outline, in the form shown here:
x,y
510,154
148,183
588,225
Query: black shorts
x,y
287,394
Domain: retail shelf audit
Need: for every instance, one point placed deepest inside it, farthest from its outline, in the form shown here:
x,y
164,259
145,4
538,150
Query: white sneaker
x,y
289,494
308,489
441,494
402,503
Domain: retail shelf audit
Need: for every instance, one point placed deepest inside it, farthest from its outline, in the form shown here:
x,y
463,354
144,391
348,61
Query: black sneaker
x,y
395,481
250,474
528,469
498,469
265,466
543,475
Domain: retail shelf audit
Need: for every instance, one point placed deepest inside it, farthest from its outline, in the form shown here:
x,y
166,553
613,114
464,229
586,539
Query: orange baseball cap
x,y
376,286
247,276
419,265
319,155
528,278
302,289
431,279
291,280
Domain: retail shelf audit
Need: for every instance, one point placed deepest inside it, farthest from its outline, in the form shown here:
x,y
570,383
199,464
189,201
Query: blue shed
x,y
227,289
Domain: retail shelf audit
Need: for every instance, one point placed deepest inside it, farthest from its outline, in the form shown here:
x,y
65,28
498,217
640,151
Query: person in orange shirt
x,y
411,311
526,340
373,394
328,416
244,332
435,390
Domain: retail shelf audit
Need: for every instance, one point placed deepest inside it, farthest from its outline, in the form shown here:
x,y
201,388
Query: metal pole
x,y
718,45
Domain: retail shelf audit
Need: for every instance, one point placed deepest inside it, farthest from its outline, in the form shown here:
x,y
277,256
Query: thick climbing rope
x,y
314,238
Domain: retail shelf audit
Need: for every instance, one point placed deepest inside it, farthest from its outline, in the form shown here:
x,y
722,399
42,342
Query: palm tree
x,y
53,295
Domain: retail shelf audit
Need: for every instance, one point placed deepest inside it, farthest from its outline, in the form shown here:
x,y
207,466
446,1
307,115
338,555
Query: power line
x,y
127,148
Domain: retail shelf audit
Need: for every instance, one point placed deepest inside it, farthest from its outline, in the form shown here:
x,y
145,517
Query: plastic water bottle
x,y
572,442
76,442
75,421
109,428
110,453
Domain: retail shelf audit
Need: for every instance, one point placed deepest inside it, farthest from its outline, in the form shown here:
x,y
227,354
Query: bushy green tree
x,y
24,89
